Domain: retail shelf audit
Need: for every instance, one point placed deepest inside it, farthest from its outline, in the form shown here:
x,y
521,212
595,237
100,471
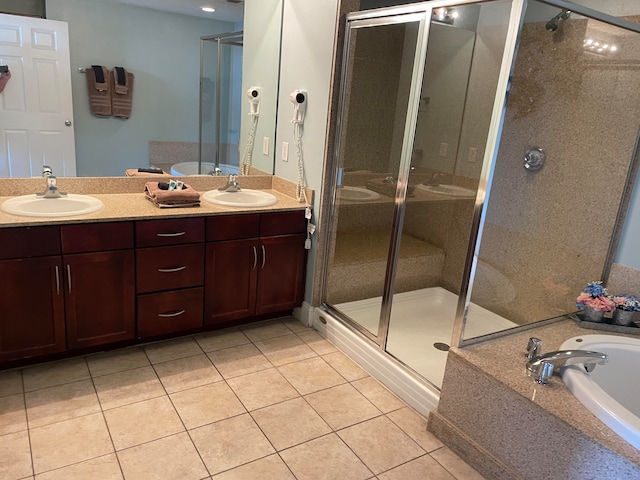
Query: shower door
x,y
422,95
380,65
220,103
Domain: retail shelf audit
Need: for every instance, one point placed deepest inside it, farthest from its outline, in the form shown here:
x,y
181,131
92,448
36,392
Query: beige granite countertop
x,y
127,202
505,358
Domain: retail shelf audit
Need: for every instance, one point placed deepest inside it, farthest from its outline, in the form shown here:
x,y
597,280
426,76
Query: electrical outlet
x,y
443,149
473,152
285,151
265,146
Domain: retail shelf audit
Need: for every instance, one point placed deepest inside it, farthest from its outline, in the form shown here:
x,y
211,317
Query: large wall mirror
x,y
162,48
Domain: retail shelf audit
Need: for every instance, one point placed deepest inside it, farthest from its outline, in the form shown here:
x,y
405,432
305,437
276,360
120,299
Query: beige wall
x,y
549,232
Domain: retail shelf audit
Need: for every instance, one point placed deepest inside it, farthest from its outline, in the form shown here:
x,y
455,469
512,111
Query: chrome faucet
x,y
47,171
543,365
232,184
52,189
435,179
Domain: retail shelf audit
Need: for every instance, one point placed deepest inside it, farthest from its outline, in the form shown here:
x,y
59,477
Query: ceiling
x,y
227,11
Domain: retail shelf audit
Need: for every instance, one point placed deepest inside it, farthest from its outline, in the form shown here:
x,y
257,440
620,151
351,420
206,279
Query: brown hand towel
x,y
186,197
98,83
122,96
386,187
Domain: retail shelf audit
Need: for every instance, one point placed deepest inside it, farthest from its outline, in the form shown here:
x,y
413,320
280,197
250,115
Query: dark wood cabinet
x,y
169,275
98,279
99,298
252,276
281,274
84,285
32,305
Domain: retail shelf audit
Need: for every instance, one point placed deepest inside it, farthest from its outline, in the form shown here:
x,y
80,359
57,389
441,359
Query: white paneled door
x,y
36,112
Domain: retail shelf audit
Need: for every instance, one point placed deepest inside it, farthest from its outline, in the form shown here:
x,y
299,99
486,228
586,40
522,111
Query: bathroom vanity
x,y
133,272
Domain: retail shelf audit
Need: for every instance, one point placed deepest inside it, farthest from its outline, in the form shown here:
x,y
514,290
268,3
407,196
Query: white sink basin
x,y
357,194
243,198
34,206
448,190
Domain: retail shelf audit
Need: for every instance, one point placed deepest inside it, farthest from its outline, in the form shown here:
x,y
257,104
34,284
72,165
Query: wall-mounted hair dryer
x,y
254,94
299,100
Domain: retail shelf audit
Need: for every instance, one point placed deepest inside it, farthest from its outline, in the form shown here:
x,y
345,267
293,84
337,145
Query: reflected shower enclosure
x,y
220,104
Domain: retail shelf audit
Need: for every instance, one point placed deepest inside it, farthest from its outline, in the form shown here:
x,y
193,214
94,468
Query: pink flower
x,y
600,304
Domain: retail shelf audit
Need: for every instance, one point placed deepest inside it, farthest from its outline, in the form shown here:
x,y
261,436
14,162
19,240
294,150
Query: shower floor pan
x,y
420,319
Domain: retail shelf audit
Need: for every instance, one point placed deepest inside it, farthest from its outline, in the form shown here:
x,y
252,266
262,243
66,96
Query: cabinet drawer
x,y
232,227
169,312
152,233
168,268
23,242
95,237
283,223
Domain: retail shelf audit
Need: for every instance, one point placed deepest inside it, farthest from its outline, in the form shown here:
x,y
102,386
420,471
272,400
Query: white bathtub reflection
x,y
191,168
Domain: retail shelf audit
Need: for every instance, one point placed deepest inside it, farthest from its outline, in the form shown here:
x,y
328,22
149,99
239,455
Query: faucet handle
x,y
543,372
533,347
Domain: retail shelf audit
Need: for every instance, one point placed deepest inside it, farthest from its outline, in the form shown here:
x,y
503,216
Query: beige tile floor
x,y
271,401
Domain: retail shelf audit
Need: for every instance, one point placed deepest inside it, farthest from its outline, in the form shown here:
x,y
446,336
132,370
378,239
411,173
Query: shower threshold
x,y
421,324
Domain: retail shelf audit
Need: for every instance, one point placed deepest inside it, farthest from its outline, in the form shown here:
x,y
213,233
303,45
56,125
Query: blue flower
x,y
595,289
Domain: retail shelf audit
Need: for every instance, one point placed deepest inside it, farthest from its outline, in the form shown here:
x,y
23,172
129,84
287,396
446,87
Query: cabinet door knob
x,y
264,256
255,258
57,281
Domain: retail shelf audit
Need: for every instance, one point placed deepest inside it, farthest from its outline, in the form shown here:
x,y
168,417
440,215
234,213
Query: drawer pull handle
x,y
177,234
57,281
171,270
255,258
167,315
264,256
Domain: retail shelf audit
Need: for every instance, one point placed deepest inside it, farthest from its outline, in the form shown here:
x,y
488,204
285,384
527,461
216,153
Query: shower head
x,y
552,25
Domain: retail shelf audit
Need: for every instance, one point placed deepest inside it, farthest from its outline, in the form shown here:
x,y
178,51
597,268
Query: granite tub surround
x,y
124,198
493,414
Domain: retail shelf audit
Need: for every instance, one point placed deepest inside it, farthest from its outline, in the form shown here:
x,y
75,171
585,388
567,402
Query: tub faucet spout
x,y
557,359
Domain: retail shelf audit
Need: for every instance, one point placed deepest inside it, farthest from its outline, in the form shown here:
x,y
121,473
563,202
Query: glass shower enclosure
x,y
456,213
418,113
220,104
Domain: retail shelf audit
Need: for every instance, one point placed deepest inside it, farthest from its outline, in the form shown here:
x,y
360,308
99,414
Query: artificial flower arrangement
x,y
594,296
626,302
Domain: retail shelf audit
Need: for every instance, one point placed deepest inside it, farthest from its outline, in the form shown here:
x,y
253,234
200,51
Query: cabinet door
x,y
230,280
32,306
99,297
281,273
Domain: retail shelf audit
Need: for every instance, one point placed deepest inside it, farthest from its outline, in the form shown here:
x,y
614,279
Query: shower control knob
x,y
534,159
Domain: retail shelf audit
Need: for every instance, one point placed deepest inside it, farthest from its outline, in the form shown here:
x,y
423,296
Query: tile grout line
x,y
186,430
26,417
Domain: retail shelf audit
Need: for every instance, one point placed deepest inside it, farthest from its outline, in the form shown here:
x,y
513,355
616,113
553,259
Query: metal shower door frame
x,y
230,38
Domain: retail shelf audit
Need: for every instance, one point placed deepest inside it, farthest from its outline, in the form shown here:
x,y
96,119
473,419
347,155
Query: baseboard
x,y
395,376
304,313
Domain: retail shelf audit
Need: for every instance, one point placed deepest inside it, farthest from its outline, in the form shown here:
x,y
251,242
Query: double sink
x,y
74,204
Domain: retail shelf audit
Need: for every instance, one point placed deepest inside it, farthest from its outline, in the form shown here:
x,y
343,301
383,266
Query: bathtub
x,y
191,168
611,392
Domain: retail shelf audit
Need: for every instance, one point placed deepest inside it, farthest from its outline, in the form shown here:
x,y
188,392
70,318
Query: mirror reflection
x,y
162,51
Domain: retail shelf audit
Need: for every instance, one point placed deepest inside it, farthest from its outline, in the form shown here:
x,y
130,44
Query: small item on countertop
x,y
186,197
150,170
